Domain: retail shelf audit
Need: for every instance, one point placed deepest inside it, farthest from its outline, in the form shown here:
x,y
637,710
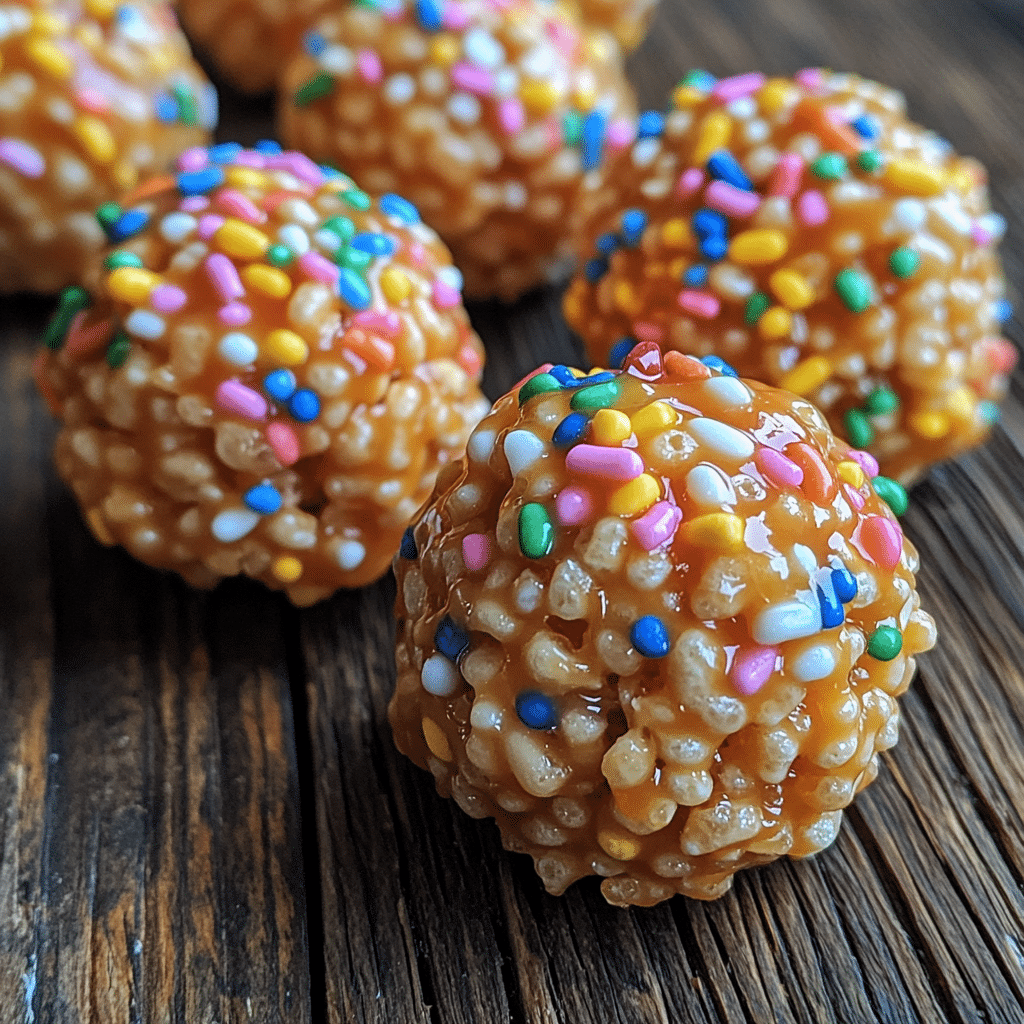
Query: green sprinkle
x,y
989,412
698,77
854,289
120,258
188,112
881,402
538,385
342,227
319,86
118,349
357,199
829,166
858,430
572,128
597,396
904,262
536,534
108,215
354,259
72,301
892,493
885,643
280,256
870,160
757,305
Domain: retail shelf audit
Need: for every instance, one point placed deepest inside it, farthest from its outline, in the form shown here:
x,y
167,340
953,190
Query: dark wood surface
x,y
203,818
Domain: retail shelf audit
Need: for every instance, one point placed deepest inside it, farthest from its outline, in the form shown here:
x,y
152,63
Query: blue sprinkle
x,y
572,429
1003,310
353,289
166,108
429,15
264,499
866,127
593,139
989,412
714,248
373,243
723,166
695,276
315,44
650,125
633,224
719,364
620,350
197,183
844,583
596,378
408,548
701,79
594,270
304,405
280,385
564,377
399,208
709,224
224,152
650,637
268,146
125,14
129,224
536,710
450,640
607,243
831,610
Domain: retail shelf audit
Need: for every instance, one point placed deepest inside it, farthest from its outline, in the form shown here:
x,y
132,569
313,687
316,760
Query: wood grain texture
x,y
192,784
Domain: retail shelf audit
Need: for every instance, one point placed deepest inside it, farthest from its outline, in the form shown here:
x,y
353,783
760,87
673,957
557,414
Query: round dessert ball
x,y
268,377
94,97
487,116
655,624
811,235
628,20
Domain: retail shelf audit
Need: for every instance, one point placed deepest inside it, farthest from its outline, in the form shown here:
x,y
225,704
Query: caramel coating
x,y
692,667
268,377
94,96
811,235
627,20
487,117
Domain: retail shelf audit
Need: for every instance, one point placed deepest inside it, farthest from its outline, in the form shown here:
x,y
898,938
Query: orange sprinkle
x,y
818,484
84,338
679,365
835,135
147,189
376,351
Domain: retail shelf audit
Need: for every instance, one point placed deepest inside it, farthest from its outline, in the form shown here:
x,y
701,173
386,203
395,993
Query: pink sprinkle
x,y
234,314
752,668
193,204
644,330
881,540
573,506
370,70
234,396
223,275
473,79
689,182
564,39
606,463
167,298
810,78
476,550
208,224
455,16
418,254
781,471
543,368
511,115
284,442
866,461
786,177
980,236
728,89
319,268
656,525
730,200
620,134
194,159
854,496
25,159
90,99
445,296
232,201
250,158
298,164
387,324
811,208
702,304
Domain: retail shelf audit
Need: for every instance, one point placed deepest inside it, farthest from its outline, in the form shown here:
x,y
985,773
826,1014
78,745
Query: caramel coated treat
x,y
628,20
656,624
268,378
93,97
808,233
488,116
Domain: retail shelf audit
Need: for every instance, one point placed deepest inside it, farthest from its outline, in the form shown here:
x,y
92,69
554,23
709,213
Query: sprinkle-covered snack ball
x,y
626,19
486,115
811,235
656,625
268,378
93,97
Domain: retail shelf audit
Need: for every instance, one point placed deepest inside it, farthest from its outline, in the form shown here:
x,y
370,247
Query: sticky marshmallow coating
x,y
488,117
655,624
94,97
810,234
268,378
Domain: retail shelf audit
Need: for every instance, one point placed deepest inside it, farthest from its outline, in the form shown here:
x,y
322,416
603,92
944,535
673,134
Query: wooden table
x,y
203,818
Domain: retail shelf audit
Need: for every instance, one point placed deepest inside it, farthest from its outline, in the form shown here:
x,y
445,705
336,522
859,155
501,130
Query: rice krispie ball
x,y
487,116
626,19
268,377
811,235
94,96
656,624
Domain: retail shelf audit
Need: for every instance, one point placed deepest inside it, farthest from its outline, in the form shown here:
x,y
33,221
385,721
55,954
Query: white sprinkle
x,y
814,663
299,211
522,449
645,151
953,214
399,89
233,524
721,438
994,224
61,111
790,620
451,276
506,82
742,108
294,238
481,444
327,240
806,557
483,49
439,676
144,324
528,595
728,391
708,485
464,108
515,195
176,227
538,62
909,214
338,60
238,348
486,715
350,554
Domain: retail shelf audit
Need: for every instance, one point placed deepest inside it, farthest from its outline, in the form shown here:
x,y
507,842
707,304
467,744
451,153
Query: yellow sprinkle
x,y
851,472
775,323
48,23
285,347
287,569
609,426
160,61
687,96
653,419
96,138
269,280
626,299
635,497
436,740
49,57
714,133
573,301
99,528
618,846
807,376
539,97
758,246
101,10
132,284
237,238
930,425
585,96
776,94
444,50
793,290
961,404
125,174
243,177
676,233
962,179
678,267
89,34
600,47
720,531
914,176
395,285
